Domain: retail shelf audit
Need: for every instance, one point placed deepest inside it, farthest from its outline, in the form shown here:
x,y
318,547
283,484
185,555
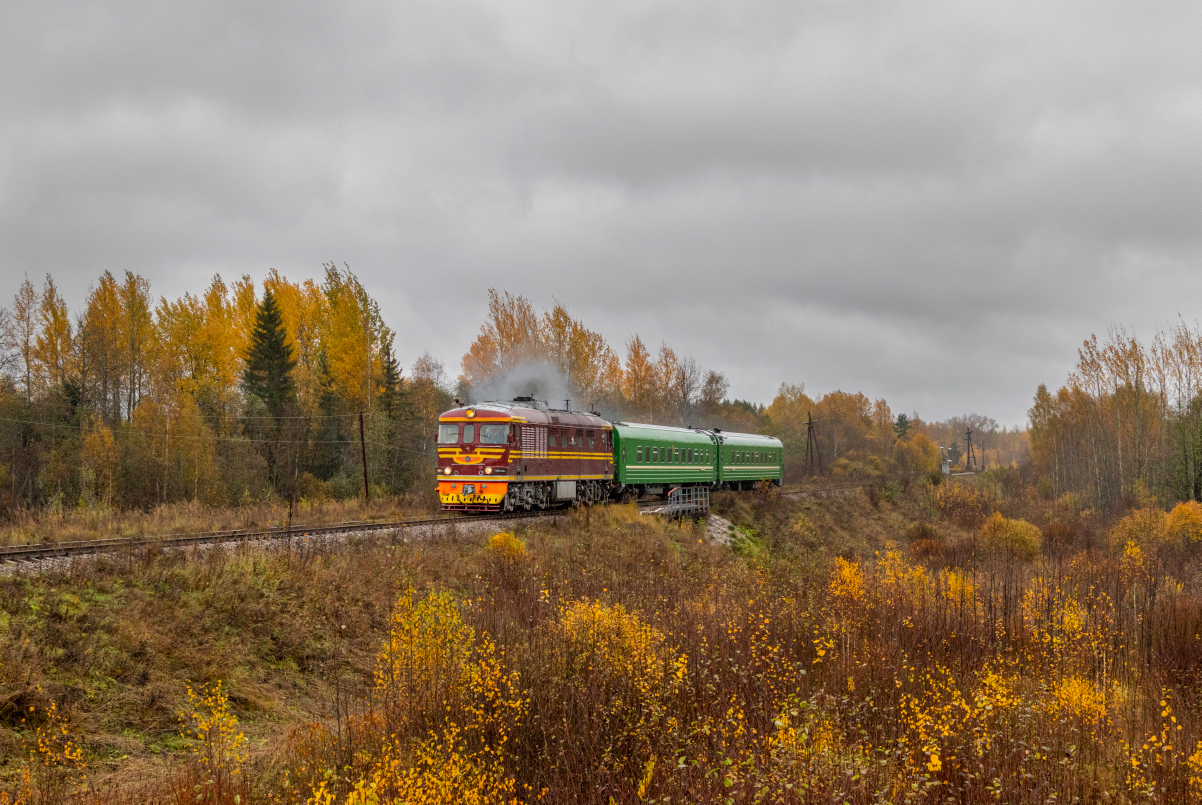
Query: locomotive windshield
x,y
448,434
494,434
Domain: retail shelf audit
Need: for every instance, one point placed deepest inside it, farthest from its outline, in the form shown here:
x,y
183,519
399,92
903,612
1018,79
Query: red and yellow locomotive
x,y
521,455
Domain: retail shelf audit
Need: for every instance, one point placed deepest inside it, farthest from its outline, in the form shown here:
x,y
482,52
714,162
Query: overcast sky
x,y
934,202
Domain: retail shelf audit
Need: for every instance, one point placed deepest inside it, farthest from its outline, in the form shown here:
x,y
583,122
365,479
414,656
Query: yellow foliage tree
x,y
1184,523
1147,528
1016,538
917,455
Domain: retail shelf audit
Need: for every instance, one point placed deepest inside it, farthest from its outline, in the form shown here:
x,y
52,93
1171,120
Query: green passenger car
x,y
745,458
653,458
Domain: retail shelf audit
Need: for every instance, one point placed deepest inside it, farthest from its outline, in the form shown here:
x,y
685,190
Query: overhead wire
x,y
124,432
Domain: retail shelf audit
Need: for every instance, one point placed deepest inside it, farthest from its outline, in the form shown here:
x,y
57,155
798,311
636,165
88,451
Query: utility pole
x,y
970,459
363,453
295,477
813,457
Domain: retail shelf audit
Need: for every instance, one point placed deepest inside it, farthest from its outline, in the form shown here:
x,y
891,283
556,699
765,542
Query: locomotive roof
x,y
523,413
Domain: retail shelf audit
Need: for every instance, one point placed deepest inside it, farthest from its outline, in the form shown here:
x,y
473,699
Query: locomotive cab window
x,y
493,434
448,434
469,434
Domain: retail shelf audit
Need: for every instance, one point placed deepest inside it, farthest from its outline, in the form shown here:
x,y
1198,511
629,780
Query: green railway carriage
x,y
653,458
745,458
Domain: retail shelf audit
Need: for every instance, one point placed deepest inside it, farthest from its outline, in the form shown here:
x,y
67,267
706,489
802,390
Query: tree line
x,y
236,395
1127,424
220,397
853,435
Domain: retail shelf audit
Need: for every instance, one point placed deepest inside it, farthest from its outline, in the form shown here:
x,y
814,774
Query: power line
x,y
214,438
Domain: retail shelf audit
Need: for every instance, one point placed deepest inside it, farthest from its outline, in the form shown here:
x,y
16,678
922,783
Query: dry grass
x,y
51,525
618,658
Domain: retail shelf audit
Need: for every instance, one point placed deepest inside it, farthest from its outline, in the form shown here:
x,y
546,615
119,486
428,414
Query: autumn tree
x,y
639,384
53,346
22,333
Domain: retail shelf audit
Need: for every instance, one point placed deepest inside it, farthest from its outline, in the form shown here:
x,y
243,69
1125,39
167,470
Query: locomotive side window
x,y
553,433
592,440
579,438
469,434
448,434
493,433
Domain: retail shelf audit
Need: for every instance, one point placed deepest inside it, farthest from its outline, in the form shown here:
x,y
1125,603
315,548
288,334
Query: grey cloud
x,y
934,202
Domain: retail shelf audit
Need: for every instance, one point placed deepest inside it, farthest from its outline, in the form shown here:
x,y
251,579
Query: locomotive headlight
x,y
471,414
488,470
446,471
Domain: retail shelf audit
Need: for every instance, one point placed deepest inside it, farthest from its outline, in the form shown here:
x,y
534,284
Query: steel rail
x,y
54,550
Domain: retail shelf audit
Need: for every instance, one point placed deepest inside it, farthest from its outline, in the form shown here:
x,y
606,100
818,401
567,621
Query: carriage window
x,y
676,455
494,434
640,454
469,434
448,434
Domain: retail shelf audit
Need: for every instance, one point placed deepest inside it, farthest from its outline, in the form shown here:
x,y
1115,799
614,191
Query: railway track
x,y
59,550
12,554
820,491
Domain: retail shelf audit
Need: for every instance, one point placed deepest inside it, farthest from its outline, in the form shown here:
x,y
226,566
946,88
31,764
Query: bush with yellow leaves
x,y
219,746
1016,538
507,547
1184,523
449,708
1148,528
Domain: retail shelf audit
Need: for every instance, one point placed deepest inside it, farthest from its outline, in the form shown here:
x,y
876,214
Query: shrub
x,y
923,531
1016,538
221,748
613,642
1184,523
960,503
1146,528
506,546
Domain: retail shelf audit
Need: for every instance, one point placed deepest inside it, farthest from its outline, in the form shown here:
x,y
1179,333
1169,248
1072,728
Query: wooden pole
x,y
363,453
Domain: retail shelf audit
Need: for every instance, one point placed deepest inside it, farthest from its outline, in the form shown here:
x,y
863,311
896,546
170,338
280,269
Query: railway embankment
x,y
292,627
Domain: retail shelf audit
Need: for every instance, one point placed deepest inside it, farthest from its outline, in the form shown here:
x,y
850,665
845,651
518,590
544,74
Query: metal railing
x,y
684,501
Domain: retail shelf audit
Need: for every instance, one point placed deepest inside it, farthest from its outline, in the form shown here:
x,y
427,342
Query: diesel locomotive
x,y
522,455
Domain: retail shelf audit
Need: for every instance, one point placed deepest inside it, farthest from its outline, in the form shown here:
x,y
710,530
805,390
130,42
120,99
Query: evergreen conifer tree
x,y
269,359
390,383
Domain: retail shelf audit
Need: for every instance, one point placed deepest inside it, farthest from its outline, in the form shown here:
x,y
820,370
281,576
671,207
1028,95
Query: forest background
x,y
132,403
